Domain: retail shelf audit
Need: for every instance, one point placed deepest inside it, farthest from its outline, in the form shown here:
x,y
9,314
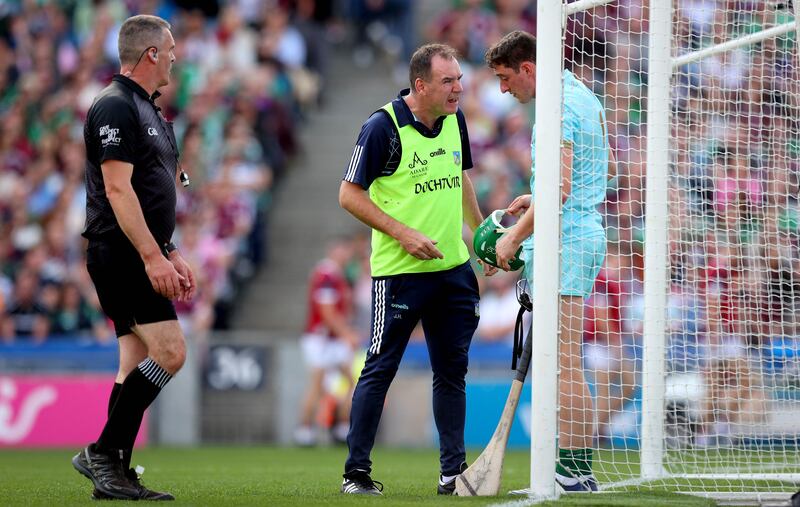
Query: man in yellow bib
x,y
406,180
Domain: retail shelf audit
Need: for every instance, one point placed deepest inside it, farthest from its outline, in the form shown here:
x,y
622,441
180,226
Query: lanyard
x,y
164,124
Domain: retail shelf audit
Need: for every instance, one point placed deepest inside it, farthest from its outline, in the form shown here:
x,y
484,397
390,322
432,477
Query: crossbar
x,y
745,40
583,5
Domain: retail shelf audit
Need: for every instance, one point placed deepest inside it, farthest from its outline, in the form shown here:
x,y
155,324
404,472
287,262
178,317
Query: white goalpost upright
x,y
655,248
694,360
547,203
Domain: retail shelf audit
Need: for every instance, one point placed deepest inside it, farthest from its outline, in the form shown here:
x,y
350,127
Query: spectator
x,y
235,43
75,316
25,317
52,61
284,43
312,16
280,40
211,261
386,25
469,28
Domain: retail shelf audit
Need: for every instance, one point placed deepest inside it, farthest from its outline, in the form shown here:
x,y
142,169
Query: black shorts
x,y
124,290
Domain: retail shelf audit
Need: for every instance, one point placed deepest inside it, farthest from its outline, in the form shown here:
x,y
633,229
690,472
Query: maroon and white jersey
x,y
328,286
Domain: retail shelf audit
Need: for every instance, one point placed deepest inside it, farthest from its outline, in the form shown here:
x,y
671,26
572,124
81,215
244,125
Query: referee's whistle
x,y
184,179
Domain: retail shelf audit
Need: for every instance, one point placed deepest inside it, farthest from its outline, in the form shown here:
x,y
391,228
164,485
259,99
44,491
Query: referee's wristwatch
x,y
168,248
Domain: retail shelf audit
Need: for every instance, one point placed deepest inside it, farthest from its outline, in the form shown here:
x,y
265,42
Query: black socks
x,y
127,404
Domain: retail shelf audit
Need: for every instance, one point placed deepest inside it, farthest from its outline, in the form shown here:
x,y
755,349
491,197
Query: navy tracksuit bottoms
x,y
447,304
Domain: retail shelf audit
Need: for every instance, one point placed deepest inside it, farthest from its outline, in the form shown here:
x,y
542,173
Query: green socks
x,y
574,462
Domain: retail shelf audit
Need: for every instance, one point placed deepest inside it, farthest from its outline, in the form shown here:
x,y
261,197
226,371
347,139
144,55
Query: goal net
x,y
691,334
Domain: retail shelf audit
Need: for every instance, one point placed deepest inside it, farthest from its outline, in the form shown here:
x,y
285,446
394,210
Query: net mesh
x,y
732,370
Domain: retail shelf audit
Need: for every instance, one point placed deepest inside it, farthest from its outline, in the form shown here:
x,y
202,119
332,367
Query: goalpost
x,y
695,321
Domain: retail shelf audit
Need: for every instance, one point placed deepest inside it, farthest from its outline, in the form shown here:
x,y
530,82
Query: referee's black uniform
x,y
125,124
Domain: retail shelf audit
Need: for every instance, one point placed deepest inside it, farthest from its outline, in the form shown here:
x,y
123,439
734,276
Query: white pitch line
x,y
525,501
516,503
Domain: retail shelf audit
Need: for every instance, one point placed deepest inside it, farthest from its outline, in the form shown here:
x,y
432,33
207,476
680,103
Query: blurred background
x,y
268,97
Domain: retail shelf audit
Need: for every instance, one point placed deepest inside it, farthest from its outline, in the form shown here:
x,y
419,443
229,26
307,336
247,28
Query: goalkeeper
x,y
585,161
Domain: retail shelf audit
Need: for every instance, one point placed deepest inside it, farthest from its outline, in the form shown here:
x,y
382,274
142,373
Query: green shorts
x,y
581,261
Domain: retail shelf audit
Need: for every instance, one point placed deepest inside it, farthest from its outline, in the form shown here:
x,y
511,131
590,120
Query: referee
x,y
407,181
131,169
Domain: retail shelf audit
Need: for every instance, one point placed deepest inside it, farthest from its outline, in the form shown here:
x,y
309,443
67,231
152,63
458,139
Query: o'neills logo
x,y
438,152
437,184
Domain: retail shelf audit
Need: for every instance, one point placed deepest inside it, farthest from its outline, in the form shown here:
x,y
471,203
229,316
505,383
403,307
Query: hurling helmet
x,y
486,236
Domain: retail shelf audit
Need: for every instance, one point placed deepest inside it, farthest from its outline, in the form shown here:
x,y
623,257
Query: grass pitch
x,y
273,476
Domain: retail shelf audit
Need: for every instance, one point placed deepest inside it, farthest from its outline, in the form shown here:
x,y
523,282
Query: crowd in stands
x,y
734,242
245,75
247,72
734,246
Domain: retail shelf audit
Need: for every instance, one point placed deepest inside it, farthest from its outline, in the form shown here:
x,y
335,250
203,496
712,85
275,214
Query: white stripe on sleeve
x,y
355,159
